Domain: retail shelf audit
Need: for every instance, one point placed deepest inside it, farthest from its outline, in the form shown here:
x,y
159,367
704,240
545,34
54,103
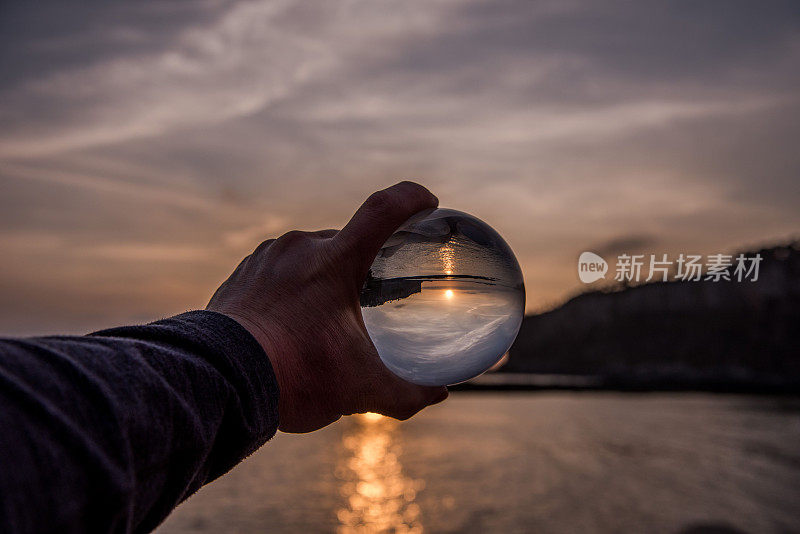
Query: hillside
x,y
676,334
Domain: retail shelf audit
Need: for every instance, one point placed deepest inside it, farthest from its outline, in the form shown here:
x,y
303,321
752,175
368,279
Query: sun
x,y
371,417
448,294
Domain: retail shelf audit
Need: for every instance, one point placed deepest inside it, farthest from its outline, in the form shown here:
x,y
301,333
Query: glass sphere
x,y
444,299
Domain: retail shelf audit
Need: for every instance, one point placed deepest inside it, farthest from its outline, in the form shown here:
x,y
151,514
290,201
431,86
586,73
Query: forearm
x,y
108,432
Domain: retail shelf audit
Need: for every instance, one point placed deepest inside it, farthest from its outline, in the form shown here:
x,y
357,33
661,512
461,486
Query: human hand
x,y
298,295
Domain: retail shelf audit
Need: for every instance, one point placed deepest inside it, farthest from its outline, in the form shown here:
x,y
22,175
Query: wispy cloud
x,y
144,147
232,67
137,191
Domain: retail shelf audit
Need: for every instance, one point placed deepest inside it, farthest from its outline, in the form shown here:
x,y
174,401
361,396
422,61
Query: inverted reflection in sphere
x,y
444,299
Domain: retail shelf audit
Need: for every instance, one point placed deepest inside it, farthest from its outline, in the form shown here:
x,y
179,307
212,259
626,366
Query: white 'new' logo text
x,y
591,267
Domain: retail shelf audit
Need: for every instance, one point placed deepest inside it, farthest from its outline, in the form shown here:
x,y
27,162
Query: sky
x,y
145,147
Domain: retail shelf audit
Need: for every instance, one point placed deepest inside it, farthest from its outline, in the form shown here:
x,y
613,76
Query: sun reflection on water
x,y
378,496
447,256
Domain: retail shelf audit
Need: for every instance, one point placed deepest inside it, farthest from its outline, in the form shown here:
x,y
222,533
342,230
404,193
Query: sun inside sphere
x,y
444,298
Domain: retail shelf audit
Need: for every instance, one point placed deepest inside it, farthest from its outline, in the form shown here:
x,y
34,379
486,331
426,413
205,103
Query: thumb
x,y
378,218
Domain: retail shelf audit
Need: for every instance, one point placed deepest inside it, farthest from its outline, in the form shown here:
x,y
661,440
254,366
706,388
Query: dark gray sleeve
x,y
109,432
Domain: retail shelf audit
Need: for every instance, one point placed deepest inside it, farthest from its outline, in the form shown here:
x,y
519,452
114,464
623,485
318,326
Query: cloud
x,y
254,54
165,139
625,244
232,67
152,194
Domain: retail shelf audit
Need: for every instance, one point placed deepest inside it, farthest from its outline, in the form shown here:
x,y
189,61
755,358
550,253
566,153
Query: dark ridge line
x,y
436,277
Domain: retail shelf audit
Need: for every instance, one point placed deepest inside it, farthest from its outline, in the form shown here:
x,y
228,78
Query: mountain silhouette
x,y
675,335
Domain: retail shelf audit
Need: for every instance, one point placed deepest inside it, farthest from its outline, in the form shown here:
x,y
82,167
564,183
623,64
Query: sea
x,y
507,462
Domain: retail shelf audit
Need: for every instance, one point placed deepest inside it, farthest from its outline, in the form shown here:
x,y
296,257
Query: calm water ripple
x,y
546,462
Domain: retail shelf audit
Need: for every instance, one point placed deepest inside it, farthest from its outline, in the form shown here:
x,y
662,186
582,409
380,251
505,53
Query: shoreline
x,y
545,382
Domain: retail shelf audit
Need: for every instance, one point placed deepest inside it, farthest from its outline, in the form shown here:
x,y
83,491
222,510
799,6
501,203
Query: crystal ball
x,y
444,298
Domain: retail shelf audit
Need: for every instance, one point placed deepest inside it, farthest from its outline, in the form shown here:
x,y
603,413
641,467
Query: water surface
x,y
447,332
523,462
